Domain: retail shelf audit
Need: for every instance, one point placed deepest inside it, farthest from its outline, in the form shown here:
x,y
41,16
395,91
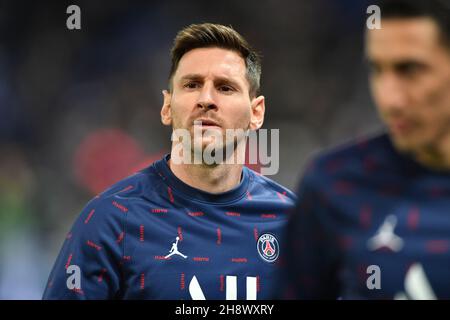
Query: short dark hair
x,y
437,10
216,35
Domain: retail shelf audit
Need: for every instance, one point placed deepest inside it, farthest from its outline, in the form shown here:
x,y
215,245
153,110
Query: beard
x,y
217,147
201,143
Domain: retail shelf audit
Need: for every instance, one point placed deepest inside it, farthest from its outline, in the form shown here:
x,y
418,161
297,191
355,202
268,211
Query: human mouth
x,y
206,123
400,126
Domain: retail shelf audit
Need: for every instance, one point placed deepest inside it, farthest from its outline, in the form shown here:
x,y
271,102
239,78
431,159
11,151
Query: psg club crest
x,y
268,247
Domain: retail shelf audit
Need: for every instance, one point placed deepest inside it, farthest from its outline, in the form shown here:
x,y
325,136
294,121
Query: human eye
x,y
191,85
410,69
226,88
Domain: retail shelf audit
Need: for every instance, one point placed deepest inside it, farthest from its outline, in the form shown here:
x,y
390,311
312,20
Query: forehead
x,y
212,62
416,38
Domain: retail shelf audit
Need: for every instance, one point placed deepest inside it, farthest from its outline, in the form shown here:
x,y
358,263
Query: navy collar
x,y
187,191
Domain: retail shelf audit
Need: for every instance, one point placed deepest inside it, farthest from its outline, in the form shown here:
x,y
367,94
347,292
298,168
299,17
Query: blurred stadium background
x,y
80,109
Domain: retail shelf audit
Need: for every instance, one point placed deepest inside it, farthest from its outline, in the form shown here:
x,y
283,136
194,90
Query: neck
x,y
214,179
436,157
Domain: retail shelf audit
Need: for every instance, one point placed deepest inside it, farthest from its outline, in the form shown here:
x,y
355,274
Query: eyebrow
x,y
199,77
398,62
191,76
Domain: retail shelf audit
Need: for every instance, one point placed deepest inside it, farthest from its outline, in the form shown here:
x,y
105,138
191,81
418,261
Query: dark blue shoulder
x,y
354,148
348,160
350,152
138,185
270,184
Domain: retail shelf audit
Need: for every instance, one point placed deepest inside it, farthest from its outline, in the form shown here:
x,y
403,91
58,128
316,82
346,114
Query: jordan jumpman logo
x,y
174,250
385,236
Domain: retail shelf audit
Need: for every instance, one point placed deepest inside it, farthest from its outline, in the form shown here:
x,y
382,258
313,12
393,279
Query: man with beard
x,y
373,219
182,229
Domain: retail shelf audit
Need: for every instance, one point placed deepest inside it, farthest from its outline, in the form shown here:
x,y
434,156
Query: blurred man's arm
x,y
311,249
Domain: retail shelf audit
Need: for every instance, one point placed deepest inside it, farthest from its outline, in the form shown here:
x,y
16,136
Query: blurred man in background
x,y
373,216
183,230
